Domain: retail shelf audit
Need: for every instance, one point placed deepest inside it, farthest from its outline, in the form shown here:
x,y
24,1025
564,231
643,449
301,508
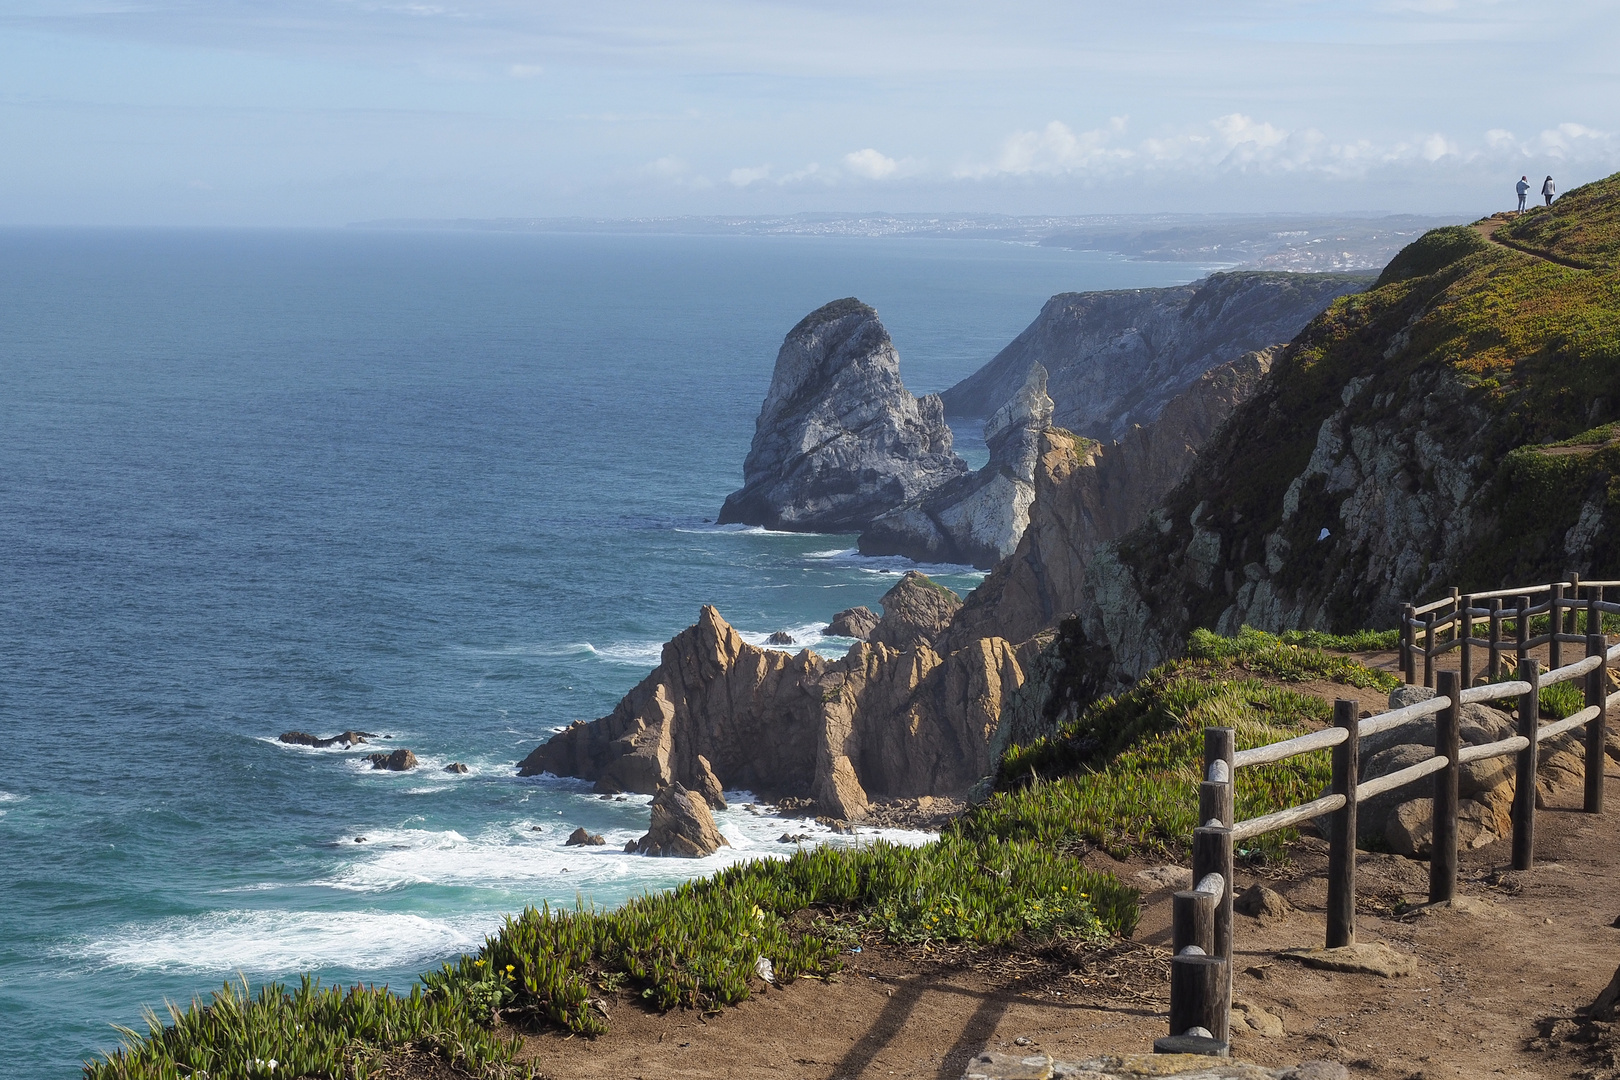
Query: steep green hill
x,y
1456,424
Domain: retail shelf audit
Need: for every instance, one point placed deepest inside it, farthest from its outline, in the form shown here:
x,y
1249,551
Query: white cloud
x,y
870,164
1437,146
525,71
744,177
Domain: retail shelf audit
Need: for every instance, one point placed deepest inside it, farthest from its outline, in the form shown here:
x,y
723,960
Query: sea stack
x,y
840,440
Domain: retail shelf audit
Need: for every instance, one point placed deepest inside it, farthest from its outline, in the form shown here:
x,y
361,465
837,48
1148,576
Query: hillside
x,y
1454,425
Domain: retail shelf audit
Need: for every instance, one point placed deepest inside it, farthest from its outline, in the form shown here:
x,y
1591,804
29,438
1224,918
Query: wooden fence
x,y
1201,962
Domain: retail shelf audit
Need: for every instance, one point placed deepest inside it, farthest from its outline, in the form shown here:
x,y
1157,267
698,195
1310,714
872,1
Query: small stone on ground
x,y
1360,958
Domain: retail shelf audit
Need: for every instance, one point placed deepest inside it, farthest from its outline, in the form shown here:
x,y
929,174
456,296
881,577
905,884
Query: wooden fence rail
x,y
1201,961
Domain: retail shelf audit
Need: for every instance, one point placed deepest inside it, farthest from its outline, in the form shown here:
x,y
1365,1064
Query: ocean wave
x,y
743,530
807,635
370,746
626,652
276,942
893,564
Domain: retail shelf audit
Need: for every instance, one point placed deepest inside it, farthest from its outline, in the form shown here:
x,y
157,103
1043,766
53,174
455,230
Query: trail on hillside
x,y
1487,227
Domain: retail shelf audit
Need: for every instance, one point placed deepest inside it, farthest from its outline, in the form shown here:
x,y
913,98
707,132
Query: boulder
x,y
580,837
914,610
681,826
855,622
401,760
456,767
1259,901
839,439
977,518
781,637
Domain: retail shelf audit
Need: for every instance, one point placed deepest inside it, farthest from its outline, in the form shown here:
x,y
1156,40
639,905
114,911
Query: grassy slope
x,y
1533,344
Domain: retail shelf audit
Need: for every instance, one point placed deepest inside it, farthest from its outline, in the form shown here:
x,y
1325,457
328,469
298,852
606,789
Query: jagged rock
x,y
581,837
1087,495
780,637
708,785
839,439
1259,901
914,610
345,740
401,760
855,622
681,826
456,767
980,517
883,722
1115,359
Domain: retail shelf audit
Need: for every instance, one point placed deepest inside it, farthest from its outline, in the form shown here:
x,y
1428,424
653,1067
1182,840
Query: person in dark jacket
x,y
1548,190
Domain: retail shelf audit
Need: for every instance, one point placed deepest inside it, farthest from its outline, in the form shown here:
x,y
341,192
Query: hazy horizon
x,y
328,112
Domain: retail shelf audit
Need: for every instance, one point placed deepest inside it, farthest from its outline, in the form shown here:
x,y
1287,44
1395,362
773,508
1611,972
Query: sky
x,y
326,112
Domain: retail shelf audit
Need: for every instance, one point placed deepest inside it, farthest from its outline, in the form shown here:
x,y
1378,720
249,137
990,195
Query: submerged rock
x,y
839,439
781,637
345,740
681,826
456,767
401,760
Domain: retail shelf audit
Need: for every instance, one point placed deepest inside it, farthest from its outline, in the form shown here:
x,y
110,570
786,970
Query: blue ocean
x,y
452,488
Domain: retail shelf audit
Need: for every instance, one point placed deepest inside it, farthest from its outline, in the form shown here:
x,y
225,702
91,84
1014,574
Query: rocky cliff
x,y
840,440
1115,359
978,518
1087,494
1454,425
895,718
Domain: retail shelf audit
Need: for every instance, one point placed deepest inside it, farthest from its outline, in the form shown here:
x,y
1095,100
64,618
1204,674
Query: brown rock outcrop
x,y
345,740
401,760
855,622
582,837
681,827
1087,494
896,718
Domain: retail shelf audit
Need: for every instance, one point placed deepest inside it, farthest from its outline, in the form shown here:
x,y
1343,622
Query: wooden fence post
x,y
1428,649
1197,987
1597,693
1215,793
1555,623
1341,905
1465,613
1447,744
1524,780
1212,854
1496,639
1521,626
1408,656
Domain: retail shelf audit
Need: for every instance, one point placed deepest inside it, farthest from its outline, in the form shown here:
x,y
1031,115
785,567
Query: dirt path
x,y
1539,945
1487,227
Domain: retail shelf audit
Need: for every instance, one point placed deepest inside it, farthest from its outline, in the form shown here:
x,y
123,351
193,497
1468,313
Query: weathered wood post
x,y
1594,616
1521,627
1496,639
1524,779
1408,656
1192,923
1574,605
1465,612
1212,854
1447,744
1428,649
1597,693
1197,984
1341,904
1555,624
1215,793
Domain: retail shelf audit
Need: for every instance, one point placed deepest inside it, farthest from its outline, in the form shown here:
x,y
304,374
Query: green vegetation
x,y
1294,661
310,1031
1357,641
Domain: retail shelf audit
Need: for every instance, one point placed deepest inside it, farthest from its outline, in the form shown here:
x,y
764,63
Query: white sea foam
x,y
627,652
892,564
806,636
370,746
275,942
741,530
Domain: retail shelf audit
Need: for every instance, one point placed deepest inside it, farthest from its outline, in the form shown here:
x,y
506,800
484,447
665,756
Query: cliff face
x,y
977,518
1453,426
1087,494
895,718
839,439
1115,359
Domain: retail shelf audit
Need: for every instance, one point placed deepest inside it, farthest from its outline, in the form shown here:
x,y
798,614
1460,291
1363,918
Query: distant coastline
x,y
1346,242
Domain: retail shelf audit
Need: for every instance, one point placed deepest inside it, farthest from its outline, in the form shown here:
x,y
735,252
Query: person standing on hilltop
x,y
1521,187
1549,189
